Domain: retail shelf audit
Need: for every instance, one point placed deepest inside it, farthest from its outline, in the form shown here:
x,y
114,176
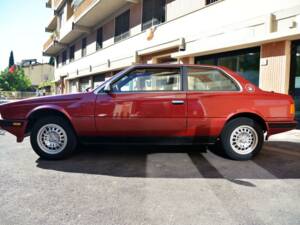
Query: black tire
x,y
71,142
230,150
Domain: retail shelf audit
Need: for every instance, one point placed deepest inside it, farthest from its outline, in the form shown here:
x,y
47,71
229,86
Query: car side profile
x,y
156,104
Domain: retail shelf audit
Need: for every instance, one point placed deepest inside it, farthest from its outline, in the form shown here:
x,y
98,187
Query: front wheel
x,y
242,138
53,138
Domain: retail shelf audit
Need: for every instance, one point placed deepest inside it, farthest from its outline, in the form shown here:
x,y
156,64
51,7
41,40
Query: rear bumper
x,y
279,127
282,125
15,127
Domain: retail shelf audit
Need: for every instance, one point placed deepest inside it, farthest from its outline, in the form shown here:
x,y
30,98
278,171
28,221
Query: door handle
x,y
177,102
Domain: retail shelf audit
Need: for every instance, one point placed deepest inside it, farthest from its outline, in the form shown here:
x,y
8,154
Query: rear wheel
x,y
242,138
53,138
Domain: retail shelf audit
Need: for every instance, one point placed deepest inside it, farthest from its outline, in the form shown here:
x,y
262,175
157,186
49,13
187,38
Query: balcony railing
x,y
54,36
56,3
76,3
81,6
48,43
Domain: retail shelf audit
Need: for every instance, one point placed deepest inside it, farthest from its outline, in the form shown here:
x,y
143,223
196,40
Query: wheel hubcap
x,y
52,138
244,139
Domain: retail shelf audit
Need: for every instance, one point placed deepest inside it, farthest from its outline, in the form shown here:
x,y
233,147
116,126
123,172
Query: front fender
x,y
48,107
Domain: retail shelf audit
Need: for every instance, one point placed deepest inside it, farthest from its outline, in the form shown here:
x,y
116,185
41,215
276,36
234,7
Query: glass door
x,y
295,77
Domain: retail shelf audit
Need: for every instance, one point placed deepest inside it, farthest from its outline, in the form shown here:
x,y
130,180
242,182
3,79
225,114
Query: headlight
x,y
1,116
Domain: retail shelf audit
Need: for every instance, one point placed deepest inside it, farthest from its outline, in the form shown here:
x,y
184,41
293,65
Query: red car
x,y
157,104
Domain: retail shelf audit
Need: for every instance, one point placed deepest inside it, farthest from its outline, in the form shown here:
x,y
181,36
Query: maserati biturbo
x,y
155,104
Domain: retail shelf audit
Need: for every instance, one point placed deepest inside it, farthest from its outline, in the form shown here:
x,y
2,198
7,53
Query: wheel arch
x,y
44,111
256,117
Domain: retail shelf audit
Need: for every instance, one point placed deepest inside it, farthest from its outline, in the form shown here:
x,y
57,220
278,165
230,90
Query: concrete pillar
x,y
275,66
77,85
187,60
91,82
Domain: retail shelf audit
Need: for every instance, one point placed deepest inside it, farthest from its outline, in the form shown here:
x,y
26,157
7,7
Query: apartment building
x,y
93,39
38,73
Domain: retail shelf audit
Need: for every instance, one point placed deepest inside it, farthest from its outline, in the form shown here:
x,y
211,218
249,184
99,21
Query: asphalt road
x,y
149,185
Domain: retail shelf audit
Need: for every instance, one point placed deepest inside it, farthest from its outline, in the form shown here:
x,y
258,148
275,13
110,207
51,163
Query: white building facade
x,y
93,39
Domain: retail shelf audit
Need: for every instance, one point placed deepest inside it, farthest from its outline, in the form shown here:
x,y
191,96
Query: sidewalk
x,y
290,136
284,143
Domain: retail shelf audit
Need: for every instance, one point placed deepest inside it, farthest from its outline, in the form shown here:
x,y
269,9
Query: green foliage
x,y
51,61
11,59
15,81
47,83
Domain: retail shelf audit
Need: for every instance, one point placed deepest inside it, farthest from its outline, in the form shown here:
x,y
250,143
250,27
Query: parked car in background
x,y
157,104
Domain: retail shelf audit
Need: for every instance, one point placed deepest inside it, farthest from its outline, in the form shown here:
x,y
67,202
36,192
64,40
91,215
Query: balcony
x,y
87,14
52,25
92,12
52,46
57,4
54,4
49,4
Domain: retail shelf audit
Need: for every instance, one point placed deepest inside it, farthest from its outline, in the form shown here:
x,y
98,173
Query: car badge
x,y
250,88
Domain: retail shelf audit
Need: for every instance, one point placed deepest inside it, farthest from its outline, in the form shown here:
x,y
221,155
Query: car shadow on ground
x,y
180,162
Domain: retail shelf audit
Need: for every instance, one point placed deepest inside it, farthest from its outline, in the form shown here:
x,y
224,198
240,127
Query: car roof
x,y
174,65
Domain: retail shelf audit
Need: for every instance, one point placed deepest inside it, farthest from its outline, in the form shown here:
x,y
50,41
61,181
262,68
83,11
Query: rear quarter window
x,y
208,79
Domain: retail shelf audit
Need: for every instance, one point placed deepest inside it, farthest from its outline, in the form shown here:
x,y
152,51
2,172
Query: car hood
x,y
45,99
20,108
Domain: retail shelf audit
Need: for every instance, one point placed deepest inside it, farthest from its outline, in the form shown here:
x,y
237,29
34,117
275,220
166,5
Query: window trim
x,y
156,91
236,83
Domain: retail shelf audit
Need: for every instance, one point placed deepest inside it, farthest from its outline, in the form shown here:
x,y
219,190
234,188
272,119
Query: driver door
x,y
143,102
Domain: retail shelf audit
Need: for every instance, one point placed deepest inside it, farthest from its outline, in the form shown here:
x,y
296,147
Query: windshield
x,y
101,86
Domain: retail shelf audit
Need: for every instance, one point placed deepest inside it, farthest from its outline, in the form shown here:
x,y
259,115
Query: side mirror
x,y
88,89
107,88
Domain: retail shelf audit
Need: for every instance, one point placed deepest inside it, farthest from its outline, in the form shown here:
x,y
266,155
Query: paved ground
x,y
150,185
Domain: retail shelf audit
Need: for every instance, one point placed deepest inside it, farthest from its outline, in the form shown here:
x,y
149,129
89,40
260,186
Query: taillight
x,y
292,108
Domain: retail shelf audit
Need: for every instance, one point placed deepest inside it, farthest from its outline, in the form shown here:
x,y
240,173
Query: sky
x,y
22,30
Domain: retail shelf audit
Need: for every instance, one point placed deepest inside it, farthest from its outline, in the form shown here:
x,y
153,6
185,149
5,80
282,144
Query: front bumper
x,y
15,127
9,123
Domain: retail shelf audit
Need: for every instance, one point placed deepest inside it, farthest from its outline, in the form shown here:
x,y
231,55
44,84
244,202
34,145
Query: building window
x,y
210,1
98,80
153,13
72,53
64,57
57,61
83,47
295,78
73,86
99,40
84,83
122,26
245,62
60,19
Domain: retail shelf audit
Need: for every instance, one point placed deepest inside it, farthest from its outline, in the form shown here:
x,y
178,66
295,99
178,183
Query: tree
x,y
14,80
51,61
11,59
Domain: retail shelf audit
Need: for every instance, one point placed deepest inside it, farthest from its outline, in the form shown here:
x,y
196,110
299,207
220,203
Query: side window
x,y
147,80
206,79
